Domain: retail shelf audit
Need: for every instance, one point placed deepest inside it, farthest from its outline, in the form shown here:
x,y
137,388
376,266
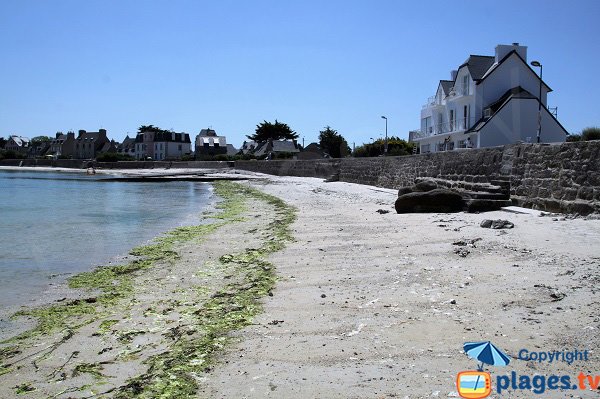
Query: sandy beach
x,y
365,304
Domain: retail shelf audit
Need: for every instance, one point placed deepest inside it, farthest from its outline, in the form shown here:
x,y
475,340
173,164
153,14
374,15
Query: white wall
x,y
512,73
517,121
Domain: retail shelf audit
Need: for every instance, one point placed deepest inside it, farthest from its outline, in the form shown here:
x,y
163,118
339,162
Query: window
x,y
466,85
179,147
465,117
426,125
451,120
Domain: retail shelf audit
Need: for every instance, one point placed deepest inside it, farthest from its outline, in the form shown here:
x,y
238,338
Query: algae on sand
x,y
191,349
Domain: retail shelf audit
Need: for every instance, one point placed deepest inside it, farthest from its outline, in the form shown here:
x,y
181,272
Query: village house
x,y
127,147
62,145
17,144
273,148
489,101
90,144
209,144
160,145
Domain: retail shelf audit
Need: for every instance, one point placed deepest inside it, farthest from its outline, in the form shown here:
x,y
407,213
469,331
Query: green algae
x,y
93,369
115,282
24,388
170,374
106,326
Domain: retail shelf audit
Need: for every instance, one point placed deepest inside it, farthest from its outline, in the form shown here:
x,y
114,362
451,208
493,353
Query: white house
x,y
489,101
161,145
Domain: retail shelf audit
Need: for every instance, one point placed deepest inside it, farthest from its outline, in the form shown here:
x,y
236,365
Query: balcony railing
x,y
458,125
459,90
432,102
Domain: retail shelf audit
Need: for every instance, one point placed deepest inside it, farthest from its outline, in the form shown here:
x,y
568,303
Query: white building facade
x,y
489,101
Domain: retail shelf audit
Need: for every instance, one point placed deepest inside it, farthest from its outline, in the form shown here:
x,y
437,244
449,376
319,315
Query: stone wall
x,y
324,168
79,163
479,166
557,178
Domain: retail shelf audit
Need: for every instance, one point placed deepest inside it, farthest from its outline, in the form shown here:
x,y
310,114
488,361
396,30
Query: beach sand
x,y
374,305
366,304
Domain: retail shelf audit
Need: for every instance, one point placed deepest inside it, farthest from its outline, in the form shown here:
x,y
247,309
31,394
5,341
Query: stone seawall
x,y
556,178
478,166
80,163
324,168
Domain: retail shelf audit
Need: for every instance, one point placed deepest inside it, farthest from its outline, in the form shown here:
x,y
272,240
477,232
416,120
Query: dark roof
x,y
207,132
275,146
514,93
284,146
447,85
164,136
478,65
231,150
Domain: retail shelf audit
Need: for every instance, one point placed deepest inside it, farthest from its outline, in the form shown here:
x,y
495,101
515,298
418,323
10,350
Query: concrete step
x,y
484,195
486,205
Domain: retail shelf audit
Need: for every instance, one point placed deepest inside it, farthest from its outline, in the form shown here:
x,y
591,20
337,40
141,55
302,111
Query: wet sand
x,y
367,304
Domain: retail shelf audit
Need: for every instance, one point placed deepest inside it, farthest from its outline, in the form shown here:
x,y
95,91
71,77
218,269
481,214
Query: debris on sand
x,y
497,224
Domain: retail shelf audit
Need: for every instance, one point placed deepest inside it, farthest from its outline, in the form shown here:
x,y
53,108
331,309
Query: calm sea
x,y
56,224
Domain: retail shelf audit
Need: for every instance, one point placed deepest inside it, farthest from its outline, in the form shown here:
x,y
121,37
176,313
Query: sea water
x,y
53,225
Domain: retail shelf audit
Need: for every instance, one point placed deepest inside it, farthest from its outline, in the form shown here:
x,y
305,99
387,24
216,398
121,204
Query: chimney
x,y
58,134
172,136
70,135
102,133
503,49
81,132
453,74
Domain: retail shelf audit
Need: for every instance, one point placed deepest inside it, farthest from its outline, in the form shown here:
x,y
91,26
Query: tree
x,y
396,147
590,133
266,131
37,140
2,142
333,143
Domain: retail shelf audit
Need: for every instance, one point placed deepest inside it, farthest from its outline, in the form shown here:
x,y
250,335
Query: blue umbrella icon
x,y
485,352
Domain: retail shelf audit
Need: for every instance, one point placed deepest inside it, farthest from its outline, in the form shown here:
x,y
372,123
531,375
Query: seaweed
x,y
170,374
194,348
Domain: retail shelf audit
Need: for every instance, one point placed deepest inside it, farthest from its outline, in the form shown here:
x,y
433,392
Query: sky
x,y
231,64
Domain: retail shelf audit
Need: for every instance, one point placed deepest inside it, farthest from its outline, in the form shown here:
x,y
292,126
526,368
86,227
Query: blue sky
x,y
230,64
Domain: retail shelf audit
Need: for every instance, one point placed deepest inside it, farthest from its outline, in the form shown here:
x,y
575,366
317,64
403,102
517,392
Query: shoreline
x,y
240,274
50,270
367,304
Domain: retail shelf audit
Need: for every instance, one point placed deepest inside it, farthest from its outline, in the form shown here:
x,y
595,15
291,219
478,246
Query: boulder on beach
x,y
404,190
424,185
436,200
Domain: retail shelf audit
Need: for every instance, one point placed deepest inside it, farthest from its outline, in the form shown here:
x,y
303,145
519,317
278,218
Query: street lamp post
x,y
385,147
539,131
